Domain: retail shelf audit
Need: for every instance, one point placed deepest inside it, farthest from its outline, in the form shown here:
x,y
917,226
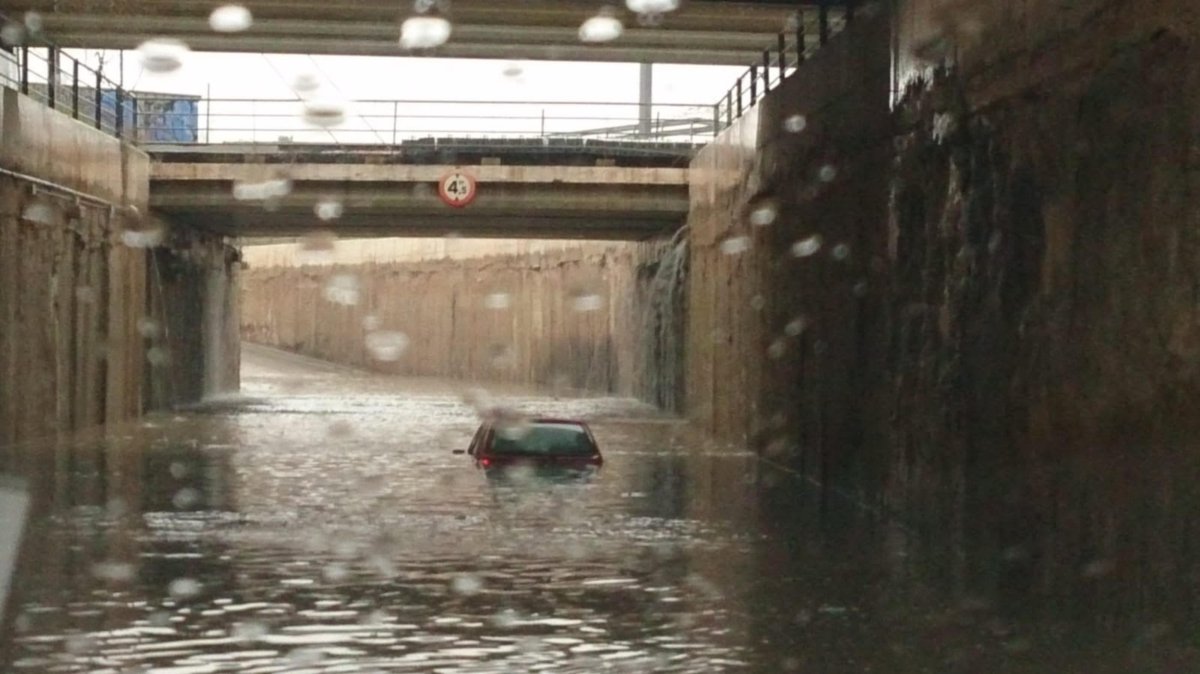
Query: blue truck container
x,y
166,118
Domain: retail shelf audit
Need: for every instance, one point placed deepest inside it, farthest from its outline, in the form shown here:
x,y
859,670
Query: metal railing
x,y
784,58
392,122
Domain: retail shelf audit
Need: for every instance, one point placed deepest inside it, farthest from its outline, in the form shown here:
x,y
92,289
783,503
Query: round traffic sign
x,y
457,189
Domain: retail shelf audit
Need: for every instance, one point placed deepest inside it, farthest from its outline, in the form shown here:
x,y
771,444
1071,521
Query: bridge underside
x,y
401,200
700,31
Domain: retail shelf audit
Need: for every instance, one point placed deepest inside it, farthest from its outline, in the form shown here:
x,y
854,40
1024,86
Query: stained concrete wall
x,y
441,305
1005,357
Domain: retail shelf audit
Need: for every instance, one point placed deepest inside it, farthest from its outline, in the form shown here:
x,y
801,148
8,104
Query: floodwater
x,y
320,523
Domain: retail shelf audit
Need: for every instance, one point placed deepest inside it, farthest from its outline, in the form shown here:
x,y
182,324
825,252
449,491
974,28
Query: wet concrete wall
x,y
566,318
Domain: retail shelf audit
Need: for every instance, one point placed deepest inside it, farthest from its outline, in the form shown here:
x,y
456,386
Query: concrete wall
x,y
441,305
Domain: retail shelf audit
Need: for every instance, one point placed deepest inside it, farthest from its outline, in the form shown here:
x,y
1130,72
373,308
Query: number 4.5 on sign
x,y
457,189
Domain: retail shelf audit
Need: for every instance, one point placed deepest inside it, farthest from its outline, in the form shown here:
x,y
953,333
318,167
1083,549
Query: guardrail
x,y
68,85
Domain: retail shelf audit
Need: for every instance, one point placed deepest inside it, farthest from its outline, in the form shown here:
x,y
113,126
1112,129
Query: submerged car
x,y
565,444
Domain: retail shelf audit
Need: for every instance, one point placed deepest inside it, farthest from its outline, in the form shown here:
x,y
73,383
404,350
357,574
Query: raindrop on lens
x,y
776,349
424,32
497,301
807,247
860,289
182,588
12,34
316,248
325,112
41,212
262,191
33,22
113,572
604,27
371,322
387,346
840,252
156,356
251,631
466,584
186,498
178,470
652,6
342,289
795,124
796,327
335,572
230,19
588,302
306,83
758,302
162,54
735,245
513,70
764,213
328,209
148,327
827,173
79,644
142,238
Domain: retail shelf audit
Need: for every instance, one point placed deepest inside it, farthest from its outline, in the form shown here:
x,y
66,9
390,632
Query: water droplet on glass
x,y
183,588
386,345
305,83
42,212
371,322
186,498
328,209
764,213
497,301
340,429
305,656
758,302
178,470
33,22
12,34
143,238
650,19
230,19
466,584
776,349
502,356
156,356
251,631
325,112
735,245
827,173
342,289
335,572
944,125
513,70
316,248
162,54
587,302
604,27
505,619
424,32
840,252
795,124
796,327
80,644
860,289
261,191
148,327
113,572
807,247
652,6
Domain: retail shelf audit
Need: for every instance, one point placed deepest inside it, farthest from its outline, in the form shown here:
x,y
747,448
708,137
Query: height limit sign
x,y
457,189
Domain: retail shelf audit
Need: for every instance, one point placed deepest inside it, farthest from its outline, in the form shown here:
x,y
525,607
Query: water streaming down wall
x,y
665,318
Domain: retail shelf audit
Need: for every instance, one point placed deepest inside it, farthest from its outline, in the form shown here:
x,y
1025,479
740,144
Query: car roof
x,y
551,420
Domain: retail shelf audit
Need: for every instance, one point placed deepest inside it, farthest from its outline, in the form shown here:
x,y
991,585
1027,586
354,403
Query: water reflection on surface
x,y
323,525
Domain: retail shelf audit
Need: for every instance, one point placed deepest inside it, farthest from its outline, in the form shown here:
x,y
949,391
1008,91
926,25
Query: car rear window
x,y
544,440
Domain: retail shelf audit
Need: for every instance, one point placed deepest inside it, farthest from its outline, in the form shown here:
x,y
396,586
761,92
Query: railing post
x,y
782,57
395,120
753,84
25,70
729,108
75,88
823,18
134,116
800,41
97,99
767,71
739,95
52,76
120,110
716,119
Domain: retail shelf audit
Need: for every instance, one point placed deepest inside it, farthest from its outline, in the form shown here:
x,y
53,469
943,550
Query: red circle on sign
x,y
457,189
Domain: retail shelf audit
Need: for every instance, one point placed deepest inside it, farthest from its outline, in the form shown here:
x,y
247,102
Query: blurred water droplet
x,y
735,245
497,301
33,22
275,188
758,302
342,289
808,246
776,350
386,345
305,83
840,252
80,644
250,631
324,112
466,584
316,248
12,34
230,19
796,327
652,6
340,429
148,327
186,498
143,238
587,302
861,288
305,656
162,54
650,19
178,470
183,588
513,70
113,572
505,619
944,126
424,32
827,173
795,124
157,356
335,572
42,212
371,322
1099,568
604,27
502,356
328,209
764,213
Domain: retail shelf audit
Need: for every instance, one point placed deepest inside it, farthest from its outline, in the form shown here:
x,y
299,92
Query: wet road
x,y
321,524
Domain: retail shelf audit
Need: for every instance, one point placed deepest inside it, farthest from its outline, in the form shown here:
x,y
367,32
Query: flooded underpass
x,y
321,523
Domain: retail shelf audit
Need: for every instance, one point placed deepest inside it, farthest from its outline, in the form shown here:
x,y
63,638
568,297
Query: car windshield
x,y
544,440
